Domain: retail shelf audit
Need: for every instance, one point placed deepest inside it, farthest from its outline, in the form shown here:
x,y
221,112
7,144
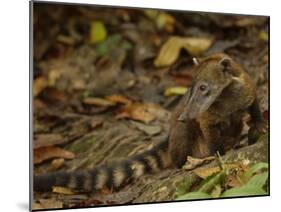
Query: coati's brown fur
x,y
208,119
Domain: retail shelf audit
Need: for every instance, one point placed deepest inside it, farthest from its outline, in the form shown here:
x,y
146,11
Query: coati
x,y
208,119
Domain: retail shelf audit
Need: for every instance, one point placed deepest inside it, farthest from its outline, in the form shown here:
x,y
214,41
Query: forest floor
x,y
106,81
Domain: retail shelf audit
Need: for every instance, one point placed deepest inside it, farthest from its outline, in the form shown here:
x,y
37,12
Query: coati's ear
x,y
225,64
195,61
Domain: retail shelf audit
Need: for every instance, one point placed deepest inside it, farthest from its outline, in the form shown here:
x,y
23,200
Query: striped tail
x,y
112,176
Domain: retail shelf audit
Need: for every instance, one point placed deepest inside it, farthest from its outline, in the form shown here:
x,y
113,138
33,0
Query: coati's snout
x,y
208,84
201,97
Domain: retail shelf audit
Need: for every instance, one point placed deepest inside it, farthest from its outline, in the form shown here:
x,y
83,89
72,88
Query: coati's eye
x,y
202,87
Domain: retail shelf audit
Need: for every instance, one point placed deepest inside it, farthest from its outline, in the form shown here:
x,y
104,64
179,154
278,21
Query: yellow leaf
x,y
263,35
205,172
36,206
39,85
165,19
56,164
196,46
169,52
151,13
178,90
62,190
53,76
161,19
47,204
98,32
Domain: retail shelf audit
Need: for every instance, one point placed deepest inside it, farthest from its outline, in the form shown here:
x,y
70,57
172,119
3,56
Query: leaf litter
x,y
73,104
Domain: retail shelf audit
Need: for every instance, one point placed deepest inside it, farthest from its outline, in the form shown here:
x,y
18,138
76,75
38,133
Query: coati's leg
x,y
181,140
259,125
211,133
232,133
203,149
257,117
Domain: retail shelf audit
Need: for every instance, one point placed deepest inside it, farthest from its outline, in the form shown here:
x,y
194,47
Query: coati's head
x,y
211,76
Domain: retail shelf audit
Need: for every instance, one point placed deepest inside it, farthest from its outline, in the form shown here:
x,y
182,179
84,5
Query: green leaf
x,y
254,186
246,190
255,168
86,94
105,47
216,192
114,40
258,180
97,32
111,43
210,182
102,49
184,186
126,45
194,195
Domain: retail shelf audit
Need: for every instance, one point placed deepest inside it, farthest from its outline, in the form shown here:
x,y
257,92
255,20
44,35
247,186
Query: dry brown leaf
x,y
48,139
39,84
96,122
38,104
146,112
245,22
119,99
265,115
141,113
50,203
44,153
98,102
233,181
62,190
106,191
47,204
136,112
157,111
182,81
88,203
56,164
36,206
53,76
55,95
68,40
169,52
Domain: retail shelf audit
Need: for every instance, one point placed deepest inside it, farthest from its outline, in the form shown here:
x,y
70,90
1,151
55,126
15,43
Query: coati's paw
x,y
256,131
192,163
262,127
